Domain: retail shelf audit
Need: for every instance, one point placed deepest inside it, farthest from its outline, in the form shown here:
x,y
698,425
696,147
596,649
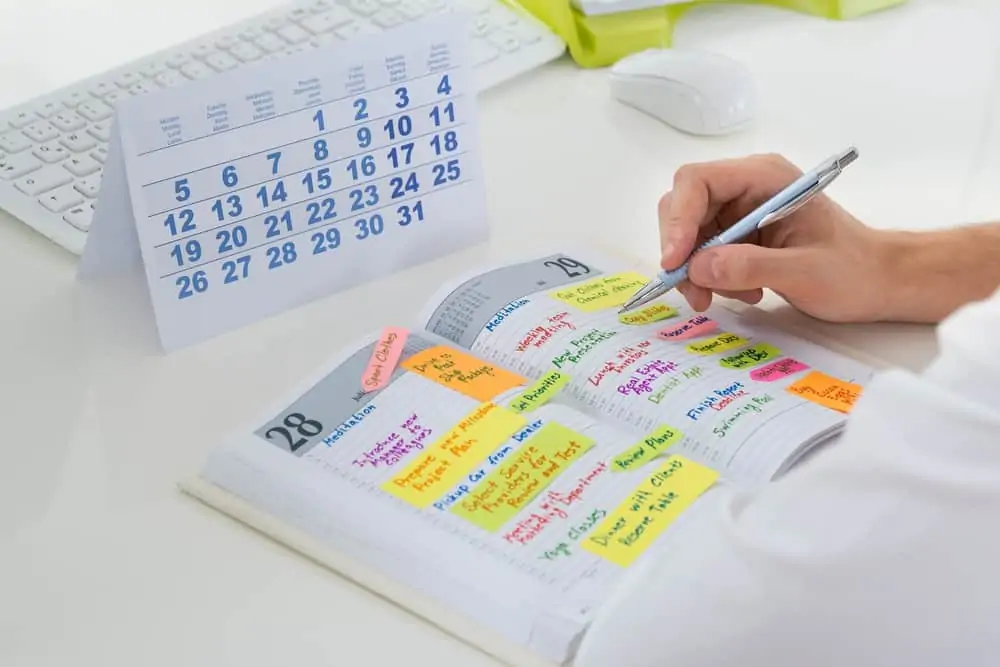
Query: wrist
x,y
929,275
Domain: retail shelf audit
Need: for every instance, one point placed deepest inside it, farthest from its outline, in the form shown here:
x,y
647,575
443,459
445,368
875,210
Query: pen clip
x,y
790,206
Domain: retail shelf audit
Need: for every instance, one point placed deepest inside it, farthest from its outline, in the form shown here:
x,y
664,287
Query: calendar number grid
x,y
334,184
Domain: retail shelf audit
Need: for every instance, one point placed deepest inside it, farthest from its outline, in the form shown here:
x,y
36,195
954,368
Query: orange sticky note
x,y
462,372
828,391
385,355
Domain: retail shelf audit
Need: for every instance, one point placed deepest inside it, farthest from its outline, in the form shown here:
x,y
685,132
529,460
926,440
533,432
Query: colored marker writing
x,y
543,333
624,359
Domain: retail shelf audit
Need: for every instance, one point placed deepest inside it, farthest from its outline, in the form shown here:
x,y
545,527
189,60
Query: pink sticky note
x,y
696,327
777,370
385,355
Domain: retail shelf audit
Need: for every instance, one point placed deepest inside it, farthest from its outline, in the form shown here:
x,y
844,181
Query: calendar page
x,y
273,185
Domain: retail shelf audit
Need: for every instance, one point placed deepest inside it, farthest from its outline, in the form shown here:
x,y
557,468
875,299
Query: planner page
x,y
743,399
449,482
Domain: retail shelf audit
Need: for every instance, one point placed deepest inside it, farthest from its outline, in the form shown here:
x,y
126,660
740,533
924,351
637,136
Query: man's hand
x,y
820,259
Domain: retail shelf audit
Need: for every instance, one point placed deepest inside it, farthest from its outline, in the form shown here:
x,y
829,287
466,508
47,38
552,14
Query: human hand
x,y
820,259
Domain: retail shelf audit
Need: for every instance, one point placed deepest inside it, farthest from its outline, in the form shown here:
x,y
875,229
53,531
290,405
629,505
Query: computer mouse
x,y
696,92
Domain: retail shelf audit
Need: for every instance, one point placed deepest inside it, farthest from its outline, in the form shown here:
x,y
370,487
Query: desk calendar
x,y
273,185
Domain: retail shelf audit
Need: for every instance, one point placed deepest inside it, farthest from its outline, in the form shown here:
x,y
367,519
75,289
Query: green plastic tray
x,y
600,41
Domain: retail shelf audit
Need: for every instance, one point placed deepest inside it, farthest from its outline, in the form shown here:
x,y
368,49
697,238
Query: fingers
x,y
700,298
745,267
700,191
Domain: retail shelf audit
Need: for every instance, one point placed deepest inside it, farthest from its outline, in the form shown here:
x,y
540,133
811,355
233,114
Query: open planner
x,y
529,447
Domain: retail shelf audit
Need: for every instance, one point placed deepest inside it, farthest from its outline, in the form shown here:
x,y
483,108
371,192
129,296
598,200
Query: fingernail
x,y
716,267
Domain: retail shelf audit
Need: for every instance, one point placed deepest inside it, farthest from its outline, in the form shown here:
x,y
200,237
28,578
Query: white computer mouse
x,y
693,91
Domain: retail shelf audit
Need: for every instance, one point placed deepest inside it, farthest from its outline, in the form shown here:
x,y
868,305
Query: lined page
x,y
721,383
440,482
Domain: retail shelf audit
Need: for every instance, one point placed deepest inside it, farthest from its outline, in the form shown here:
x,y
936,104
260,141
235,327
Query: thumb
x,y
746,266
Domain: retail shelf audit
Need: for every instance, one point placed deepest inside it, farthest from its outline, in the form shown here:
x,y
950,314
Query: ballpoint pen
x,y
799,193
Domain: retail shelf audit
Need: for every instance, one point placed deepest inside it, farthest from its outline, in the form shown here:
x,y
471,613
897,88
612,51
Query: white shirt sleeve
x,y
884,551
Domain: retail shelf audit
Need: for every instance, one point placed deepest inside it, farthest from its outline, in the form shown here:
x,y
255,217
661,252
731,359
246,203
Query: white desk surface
x,y
103,562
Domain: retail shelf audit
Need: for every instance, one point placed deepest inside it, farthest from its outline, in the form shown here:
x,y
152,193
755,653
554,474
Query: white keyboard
x,y
52,148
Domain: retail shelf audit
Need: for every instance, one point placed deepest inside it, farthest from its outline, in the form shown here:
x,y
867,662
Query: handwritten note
x,y
635,524
651,446
649,314
385,356
751,356
462,372
453,455
601,293
695,327
777,370
827,391
540,393
721,343
510,487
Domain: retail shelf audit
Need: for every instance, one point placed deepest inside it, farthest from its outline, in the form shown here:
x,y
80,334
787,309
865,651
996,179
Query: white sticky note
x,y
263,188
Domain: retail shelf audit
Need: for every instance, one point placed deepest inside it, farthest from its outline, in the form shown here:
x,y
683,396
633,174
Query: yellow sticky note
x,y
751,356
527,472
454,454
602,292
654,313
642,453
540,392
721,343
635,524
462,372
828,391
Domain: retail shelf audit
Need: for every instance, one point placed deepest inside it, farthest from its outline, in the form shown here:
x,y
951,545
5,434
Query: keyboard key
x,y
411,10
67,121
169,78
327,21
293,34
90,186
61,199
298,14
321,6
143,87
506,41
482,26
246,51
80,217
111,99
356,29
47,109
78,142
271,43
40,130
51,152
363,7
95,110
388,18
221,61
202,50
252,33
15,166
70,100
276,22
22,118
178,60
320,41
154,68
82,165
227,42
102,88
43,180
128,79
100,154
14,142
196,70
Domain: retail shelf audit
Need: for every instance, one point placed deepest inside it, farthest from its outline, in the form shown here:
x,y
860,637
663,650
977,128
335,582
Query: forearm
x,y
929,275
